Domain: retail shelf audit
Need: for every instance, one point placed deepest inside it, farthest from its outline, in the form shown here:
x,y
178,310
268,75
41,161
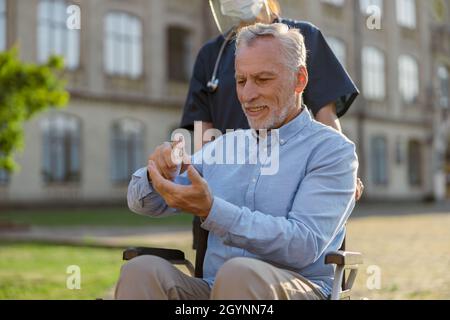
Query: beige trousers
x,y
153,278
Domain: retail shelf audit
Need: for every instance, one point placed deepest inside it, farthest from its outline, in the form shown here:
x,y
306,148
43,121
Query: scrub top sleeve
x,y
196,107
328,80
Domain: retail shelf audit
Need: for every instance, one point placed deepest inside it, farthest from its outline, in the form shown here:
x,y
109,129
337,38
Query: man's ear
x,y
302,80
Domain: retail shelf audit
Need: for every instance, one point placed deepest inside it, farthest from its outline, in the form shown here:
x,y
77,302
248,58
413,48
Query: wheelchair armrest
x,y
172,255
168,254
344,258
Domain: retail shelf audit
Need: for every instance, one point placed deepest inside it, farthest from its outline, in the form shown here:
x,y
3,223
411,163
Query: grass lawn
x,y
88,217
34,271
38,271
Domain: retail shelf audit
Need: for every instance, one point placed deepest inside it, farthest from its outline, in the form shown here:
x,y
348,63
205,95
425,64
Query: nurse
x,y
212,97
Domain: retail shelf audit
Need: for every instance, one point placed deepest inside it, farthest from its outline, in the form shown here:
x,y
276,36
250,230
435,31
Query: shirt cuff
x,y
221,217
144,186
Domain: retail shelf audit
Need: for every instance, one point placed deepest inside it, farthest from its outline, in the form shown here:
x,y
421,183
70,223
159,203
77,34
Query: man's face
x,y
265,85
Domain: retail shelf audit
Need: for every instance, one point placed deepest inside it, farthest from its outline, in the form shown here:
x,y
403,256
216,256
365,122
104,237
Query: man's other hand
x,y
168,159
195,198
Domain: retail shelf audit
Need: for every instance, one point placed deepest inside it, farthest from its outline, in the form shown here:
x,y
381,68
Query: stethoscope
x,y
213,84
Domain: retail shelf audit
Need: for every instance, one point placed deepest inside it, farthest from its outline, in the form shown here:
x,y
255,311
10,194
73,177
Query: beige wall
x,y
96,120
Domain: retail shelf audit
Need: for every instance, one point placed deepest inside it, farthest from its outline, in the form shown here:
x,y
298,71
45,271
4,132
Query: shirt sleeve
x,y
144,200
320,209
328,80
196,107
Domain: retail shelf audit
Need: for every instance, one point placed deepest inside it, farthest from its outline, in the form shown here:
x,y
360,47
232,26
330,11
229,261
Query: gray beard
x,y
273,122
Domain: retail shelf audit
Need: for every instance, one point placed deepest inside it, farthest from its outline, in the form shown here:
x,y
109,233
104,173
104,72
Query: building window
x,y
399,151
179,54
61,148
443,87
369,7
4,177
53,35
338,48
2,25
127,149
337,3
123,45
414,163
374,80
408,75
379,161
406,13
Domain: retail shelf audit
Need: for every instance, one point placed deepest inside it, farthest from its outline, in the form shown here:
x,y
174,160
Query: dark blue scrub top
x,y
328,82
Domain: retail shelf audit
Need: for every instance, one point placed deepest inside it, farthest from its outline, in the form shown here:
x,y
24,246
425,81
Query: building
x,y
401,115
126,102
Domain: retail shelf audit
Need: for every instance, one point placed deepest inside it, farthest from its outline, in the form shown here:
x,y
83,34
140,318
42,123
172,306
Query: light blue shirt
x,y
291,219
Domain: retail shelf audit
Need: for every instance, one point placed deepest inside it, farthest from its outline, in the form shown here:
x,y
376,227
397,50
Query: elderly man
x,y
268,233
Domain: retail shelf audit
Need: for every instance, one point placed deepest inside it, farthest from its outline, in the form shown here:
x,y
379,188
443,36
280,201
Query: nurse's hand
x,y
359,189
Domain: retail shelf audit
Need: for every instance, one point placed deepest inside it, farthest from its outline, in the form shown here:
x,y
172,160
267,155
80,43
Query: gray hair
x,y
292,41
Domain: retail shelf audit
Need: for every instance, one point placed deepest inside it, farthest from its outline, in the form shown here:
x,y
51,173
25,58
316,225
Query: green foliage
x,y
25,90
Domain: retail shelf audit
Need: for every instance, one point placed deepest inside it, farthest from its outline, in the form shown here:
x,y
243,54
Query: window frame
x,y
365,4
415,164
335,3
3,25
406,13
183,54
61,149
131,144
408,79
443,76
374,74
379,177
335,45
53,36
117,61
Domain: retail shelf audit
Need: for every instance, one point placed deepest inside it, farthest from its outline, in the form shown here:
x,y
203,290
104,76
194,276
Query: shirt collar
x,y
291,128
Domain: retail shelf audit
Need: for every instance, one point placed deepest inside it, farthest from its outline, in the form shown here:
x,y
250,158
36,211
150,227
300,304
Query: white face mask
x,y
245,10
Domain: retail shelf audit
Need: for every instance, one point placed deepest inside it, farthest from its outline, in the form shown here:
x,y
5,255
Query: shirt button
x,y
282,141
254,180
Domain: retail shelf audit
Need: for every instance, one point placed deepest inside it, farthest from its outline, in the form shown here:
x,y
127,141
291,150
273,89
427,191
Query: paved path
x,y
181,235
102,236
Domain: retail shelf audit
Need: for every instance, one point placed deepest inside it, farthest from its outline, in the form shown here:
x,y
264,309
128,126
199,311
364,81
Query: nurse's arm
x,y
327,115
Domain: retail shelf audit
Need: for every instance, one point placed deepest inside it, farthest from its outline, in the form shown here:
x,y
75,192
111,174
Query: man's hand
x,y
164,157
359,189
196,198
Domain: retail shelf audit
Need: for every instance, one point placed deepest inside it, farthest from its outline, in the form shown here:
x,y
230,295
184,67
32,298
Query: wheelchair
x,y
342,259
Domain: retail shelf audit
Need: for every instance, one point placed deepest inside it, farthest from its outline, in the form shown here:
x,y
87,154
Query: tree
x,y
25,90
